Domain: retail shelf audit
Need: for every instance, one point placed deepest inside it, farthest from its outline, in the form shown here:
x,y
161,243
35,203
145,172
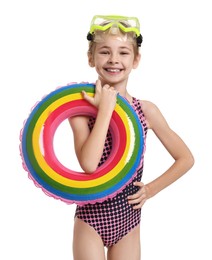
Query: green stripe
x,y
42,106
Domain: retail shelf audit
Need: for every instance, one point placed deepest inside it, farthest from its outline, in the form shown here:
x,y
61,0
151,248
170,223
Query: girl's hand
x,y
104,98
140,197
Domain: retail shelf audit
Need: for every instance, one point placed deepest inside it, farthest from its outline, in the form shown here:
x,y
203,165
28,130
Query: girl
x,y
115,223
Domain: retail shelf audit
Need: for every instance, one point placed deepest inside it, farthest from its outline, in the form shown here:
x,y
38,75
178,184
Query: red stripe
x,y
81,107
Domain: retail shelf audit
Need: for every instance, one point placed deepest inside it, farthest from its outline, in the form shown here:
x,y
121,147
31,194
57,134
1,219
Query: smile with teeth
x,y
113,70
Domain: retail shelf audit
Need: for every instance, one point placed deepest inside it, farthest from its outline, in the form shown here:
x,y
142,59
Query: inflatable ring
x,y
56,180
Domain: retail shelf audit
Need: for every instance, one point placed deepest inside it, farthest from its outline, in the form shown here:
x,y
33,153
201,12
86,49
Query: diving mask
x,y
125,24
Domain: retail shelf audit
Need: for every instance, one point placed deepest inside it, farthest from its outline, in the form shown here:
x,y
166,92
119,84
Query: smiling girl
x,y
114,43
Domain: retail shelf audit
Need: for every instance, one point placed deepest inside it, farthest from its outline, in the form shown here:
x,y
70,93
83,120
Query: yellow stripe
x,y
73,183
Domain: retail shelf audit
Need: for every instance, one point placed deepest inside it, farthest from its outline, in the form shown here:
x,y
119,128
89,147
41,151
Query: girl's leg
x,y
87,244
127,248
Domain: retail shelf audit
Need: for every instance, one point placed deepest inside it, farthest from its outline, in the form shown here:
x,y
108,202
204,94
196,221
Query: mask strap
x,y
139,39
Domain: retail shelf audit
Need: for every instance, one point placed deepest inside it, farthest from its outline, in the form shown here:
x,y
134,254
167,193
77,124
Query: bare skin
x,y
88,244
113,60
127,248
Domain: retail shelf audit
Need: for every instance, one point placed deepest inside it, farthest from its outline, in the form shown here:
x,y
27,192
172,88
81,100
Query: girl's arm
x,y
183,158
89,145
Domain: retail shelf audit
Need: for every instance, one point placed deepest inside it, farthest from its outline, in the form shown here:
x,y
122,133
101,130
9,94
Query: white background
x,y
43,45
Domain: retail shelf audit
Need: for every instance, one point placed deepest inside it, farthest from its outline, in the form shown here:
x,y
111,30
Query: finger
x,y
138,183
136,204
87,97
138,199
139,205
139,192
98,86
135,196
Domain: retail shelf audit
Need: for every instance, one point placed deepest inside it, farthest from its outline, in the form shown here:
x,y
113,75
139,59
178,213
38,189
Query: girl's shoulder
x,y
145,104
148,106
151,112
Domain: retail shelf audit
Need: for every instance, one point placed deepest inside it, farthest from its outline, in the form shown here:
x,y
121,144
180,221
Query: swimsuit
x,y
114,218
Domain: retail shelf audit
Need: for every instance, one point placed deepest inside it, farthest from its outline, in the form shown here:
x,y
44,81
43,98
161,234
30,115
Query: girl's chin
x,y
109,80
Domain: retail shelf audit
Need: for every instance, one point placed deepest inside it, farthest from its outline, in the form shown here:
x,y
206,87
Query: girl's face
x,y
113,60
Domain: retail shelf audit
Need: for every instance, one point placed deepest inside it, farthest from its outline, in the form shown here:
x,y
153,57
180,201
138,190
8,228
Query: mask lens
x,y
127,22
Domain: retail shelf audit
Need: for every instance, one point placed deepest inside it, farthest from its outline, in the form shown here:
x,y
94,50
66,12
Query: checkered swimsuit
x,y
114,218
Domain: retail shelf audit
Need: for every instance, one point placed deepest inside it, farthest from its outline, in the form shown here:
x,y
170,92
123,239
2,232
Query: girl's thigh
x,y
87,244
127,248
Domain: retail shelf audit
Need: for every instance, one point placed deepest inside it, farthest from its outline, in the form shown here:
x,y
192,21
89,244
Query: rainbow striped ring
x,y
56,180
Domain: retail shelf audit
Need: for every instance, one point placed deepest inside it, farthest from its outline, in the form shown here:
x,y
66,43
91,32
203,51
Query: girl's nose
x,y
113,59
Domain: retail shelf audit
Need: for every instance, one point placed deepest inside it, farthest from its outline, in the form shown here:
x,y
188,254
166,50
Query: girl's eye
x,y
124,53
104,52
